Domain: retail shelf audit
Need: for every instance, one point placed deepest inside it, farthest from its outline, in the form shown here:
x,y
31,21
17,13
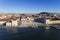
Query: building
x,y
3,21
30,18
23,19
52,21
9,24
15,21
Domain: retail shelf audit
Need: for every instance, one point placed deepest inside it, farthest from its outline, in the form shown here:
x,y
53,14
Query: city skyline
x,y
29,6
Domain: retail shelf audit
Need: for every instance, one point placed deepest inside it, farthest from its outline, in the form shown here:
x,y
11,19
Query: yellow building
x,y
53,21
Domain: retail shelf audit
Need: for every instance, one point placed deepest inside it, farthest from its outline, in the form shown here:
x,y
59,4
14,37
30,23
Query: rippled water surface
x,y
39,33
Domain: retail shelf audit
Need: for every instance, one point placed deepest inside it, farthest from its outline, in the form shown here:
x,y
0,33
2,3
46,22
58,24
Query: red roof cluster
x,y
5,19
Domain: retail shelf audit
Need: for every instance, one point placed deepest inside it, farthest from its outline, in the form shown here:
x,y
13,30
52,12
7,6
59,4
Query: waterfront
x,y
39,33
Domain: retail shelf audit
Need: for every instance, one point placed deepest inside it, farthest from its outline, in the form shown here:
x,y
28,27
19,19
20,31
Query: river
x,y
39,33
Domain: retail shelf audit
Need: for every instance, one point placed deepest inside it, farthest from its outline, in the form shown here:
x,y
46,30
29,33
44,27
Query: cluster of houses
x,y
14,20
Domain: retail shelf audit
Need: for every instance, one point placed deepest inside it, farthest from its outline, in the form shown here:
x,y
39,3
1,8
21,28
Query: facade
x,y
23,19
2,21
8,24
30,18
48,21
14,23
53,21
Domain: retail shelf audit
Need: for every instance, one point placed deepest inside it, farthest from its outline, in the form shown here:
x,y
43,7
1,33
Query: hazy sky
x,y
29,6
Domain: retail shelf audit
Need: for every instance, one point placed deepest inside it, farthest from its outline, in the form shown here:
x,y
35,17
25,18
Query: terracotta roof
x,y
5,19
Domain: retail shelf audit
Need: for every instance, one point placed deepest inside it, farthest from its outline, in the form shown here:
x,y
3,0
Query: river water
x,y
39,33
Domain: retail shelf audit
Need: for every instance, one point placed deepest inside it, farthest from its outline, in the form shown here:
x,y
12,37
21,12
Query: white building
x,y
15,22
2,22
8,24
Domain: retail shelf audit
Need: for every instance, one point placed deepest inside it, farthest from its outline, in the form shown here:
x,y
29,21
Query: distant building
x,y
52,21
23,19
30,18
2,21
15,21
8,24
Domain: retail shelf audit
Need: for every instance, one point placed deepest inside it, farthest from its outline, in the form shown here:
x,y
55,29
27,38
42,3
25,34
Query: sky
x,y
29,6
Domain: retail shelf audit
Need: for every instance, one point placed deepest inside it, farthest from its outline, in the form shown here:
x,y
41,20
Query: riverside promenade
x,y
36,25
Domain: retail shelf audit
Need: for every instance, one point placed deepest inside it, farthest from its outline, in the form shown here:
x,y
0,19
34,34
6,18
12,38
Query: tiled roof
x,y
5,19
